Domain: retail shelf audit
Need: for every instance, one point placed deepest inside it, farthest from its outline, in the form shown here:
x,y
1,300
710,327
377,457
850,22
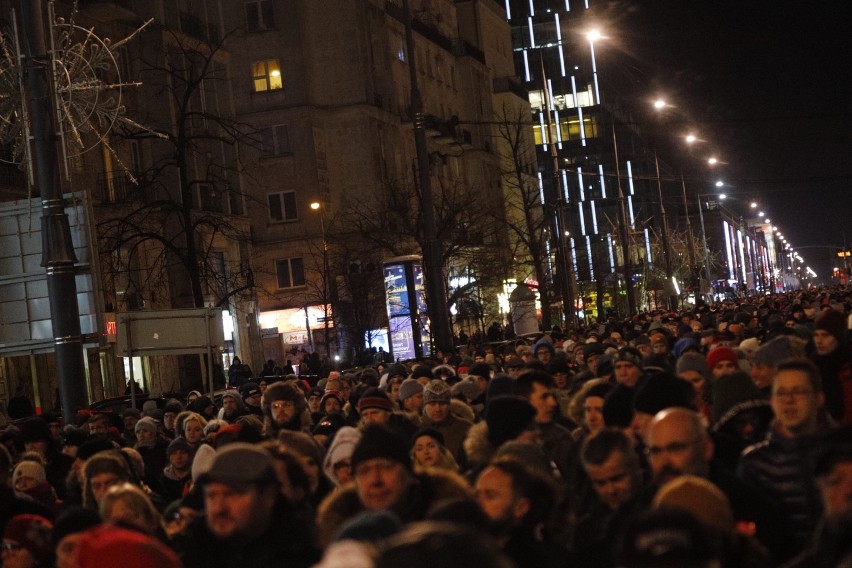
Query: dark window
x,y
259,15
282,206
290,272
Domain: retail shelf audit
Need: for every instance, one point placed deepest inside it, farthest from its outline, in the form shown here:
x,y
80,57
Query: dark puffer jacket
x,y
783,468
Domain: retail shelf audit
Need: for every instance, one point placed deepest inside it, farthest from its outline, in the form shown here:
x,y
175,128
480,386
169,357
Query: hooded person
x,y
437,414
832,358
337,464
30,479
284,408
232,406
741,416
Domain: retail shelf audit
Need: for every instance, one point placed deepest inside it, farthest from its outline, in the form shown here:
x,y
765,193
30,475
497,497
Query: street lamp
x,y
316,206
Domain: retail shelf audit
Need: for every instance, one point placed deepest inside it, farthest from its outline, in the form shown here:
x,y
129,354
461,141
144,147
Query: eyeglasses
x,y
795,393
672,448
278,404
10,547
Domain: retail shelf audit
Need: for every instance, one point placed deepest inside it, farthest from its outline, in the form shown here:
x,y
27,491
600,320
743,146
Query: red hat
x,y
720,354
112,546
33,533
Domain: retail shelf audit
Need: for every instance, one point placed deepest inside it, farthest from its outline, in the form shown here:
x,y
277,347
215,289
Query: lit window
x,y
282,206
290,273
266,75
259,15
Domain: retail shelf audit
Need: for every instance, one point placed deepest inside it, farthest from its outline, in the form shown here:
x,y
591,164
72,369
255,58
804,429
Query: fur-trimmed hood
x,y
478,448
429,488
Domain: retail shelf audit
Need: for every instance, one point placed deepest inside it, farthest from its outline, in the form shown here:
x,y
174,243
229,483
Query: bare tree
x,y
524,216
180,190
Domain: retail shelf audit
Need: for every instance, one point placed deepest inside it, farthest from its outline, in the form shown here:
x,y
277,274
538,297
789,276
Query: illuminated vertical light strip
x,y
549,259
740,249
580,181
630,177
595,72
532,8
565,193
574,258
728,250
559,41
582,219
648,249
550,94
545,133
540,188
611,255
594,217
579,110
591,263
526,64
630,210
558,129
530,24
603,180
508,11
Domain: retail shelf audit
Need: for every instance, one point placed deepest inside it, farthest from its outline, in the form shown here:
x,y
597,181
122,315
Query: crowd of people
x,y
711,436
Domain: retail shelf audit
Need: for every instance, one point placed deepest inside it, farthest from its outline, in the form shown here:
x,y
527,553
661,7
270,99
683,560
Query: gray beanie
x,y
773,352
409,388
691,361
467,388
147,423
436,391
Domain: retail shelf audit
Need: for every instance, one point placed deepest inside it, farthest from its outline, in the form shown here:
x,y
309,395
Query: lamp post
x,y
664,234
316,206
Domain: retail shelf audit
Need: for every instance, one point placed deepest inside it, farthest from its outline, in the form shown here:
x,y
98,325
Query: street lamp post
x,y
664,234
316,206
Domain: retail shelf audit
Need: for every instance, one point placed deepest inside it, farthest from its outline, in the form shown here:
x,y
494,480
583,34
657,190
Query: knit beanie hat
x,y
661,391
692,362
720,354
409,388
600,390
628,354
107,545
436,391
507,417
683,344
732,389
329,425
480,370
426,431
618,407
173,406
178,445
31,469
397,369
33,533
374,397
248,389
833,322
380,442
701,499
468,388
147,423
332,394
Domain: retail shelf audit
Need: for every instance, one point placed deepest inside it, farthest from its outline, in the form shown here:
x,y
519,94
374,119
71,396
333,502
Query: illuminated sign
x,y
406,304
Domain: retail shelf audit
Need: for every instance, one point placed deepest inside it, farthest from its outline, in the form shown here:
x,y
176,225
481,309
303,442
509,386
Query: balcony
x,y
108,10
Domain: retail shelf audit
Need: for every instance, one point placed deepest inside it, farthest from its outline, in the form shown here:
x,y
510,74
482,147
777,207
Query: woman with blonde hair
x,y
192,428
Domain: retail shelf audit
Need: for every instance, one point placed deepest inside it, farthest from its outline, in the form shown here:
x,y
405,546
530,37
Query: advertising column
x,y
408,319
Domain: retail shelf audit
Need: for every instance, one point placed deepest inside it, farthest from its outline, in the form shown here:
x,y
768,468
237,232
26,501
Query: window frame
x,y
263,71
262,23
289,265
282,196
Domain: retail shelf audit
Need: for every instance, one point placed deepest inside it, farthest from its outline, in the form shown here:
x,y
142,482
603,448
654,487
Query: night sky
x,y
769,86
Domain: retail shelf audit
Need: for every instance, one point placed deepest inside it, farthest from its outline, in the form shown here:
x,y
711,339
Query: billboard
x,y
406,303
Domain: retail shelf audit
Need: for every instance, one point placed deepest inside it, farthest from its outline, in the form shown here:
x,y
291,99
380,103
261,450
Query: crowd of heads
x,y
715,435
